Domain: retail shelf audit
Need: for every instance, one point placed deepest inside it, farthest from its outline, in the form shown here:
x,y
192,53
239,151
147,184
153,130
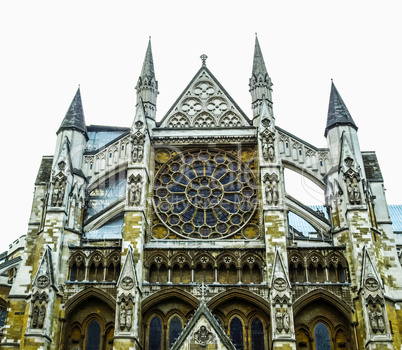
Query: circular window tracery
x,y
204,194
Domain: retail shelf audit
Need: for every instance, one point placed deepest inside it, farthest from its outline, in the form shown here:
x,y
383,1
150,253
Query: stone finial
x,y
204,59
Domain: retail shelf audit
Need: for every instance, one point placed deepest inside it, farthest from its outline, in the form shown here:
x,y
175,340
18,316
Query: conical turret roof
x,y
338,114
258,60
148,64
74,118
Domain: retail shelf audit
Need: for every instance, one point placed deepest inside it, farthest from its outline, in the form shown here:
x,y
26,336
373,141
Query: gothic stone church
x,y
179,233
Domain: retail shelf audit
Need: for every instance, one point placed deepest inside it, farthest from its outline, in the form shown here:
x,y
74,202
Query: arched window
x,y
236,333
322,338
174,330
3,315
341,274
93,336
155,334
73,272
257,335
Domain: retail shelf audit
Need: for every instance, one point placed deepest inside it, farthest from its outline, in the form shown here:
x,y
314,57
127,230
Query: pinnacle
x,y
74,118
148,65
258,61
338,113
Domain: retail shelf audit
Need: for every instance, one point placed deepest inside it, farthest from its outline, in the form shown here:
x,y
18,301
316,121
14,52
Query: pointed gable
x,y
203,331
338,114
280,279
44,276
204,104
128,277
370,278
74,118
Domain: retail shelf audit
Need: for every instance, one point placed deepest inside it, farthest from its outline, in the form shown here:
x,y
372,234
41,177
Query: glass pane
x,y
322,339
155,334
236,333
257,335
3,316
174,330
93,336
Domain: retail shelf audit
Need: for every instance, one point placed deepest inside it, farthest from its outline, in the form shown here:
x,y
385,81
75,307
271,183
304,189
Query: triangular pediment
x,y
44,277
203,331
204,103
280,279
128,278
370,278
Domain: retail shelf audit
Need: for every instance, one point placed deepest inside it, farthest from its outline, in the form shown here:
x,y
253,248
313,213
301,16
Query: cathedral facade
x,y
179,233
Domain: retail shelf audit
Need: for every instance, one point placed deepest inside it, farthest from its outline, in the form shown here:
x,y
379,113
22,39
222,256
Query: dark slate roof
x,y
74,118
45,170
338,114
371,167
10,262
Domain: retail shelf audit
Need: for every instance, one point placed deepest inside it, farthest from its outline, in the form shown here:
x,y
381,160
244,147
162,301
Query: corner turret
x,y
147,86
260,82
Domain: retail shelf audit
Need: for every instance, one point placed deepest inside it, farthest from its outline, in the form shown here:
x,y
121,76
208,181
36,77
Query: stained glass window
x,y
257,335
93,336
321,336
174,330
205,194
155,334
3,316
236,333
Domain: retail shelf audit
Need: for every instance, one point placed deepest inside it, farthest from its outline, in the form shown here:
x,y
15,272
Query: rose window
x,y
204,194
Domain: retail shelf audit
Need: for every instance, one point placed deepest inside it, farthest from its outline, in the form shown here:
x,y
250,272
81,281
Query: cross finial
x,y
203,289
204,59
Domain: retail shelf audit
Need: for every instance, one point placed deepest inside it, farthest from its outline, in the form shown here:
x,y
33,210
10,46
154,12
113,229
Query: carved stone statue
x,y
279,320
373,321
268,149
122,317
352,185
135,194
203,336
35,316
129,319
286,321
271,189
42,314
380,320
58,193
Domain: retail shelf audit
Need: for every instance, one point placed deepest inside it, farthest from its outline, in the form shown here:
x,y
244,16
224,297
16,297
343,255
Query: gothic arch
x,y
321,294
250,297
317,179
171,293
80,297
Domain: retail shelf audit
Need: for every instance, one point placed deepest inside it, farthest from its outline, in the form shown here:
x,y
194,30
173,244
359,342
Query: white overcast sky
x,y
49,47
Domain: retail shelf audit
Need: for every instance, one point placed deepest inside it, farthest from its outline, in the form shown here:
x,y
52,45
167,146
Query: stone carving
x,y
42,281
280,284
122,318
217,105
353,190
137,154
59,188
134,195
203,336
178,121
41,318
371,284
286,321
204,120
129,319
127,283
230,120
268,147
35,316
204,90
279,320
271,189
191,106
376,318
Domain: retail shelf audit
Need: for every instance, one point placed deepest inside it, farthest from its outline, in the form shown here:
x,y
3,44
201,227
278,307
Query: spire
x,y
260,82
147,86
148,65
338,114
74,118
258,61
